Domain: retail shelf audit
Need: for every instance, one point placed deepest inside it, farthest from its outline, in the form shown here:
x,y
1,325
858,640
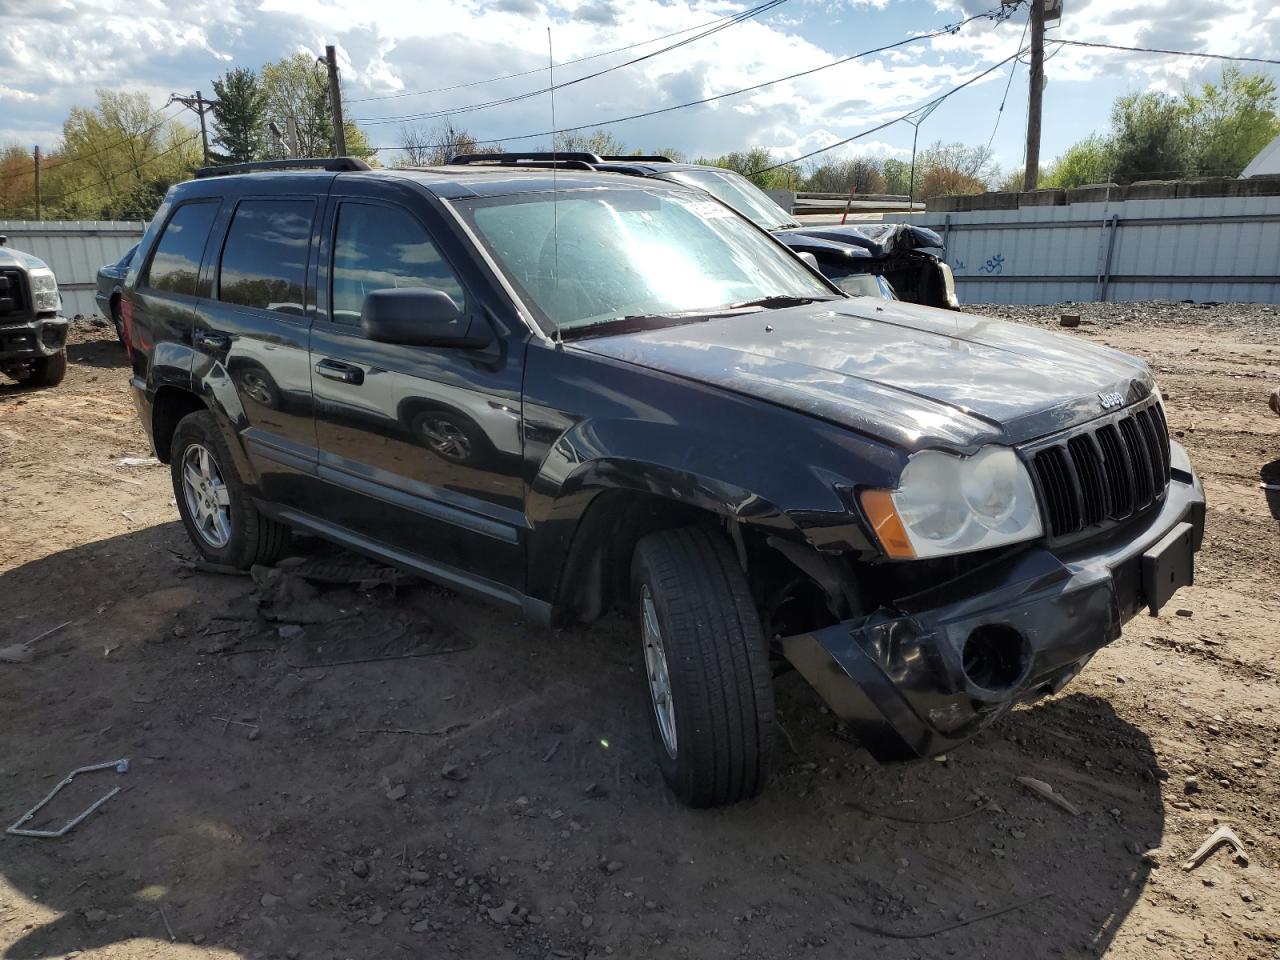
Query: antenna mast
x,y
555,199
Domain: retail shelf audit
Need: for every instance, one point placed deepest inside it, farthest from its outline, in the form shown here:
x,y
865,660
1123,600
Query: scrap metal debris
x,y
1223,835
1042,789
21,652
119,766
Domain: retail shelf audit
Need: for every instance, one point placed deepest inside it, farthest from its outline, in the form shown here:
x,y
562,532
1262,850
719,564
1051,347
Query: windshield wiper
x,y
630,324
778,302
652,321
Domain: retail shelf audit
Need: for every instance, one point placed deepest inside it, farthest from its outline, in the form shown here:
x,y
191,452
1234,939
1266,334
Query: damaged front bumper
x,y
930,670
32,339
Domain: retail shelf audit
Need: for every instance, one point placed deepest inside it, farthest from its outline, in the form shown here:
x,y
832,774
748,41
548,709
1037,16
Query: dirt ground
x,y
493,795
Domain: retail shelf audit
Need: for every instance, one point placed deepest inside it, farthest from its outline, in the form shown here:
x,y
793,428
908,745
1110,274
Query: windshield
x,y
740,193
633,252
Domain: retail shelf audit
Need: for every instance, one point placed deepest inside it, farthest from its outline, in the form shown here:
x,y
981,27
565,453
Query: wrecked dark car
x,y
905,259
33,338
576,392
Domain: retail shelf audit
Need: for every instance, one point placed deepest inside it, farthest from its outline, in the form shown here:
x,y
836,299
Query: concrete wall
x,y
74,250
1189,248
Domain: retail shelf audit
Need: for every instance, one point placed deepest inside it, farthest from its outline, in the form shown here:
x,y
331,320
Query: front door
x,y
419,447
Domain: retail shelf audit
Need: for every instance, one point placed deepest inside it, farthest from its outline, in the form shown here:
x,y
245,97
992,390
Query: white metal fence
x,y
1196,248
74,249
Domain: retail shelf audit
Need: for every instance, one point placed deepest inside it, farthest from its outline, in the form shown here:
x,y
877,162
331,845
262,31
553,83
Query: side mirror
x,y
3,239
810,259
418,317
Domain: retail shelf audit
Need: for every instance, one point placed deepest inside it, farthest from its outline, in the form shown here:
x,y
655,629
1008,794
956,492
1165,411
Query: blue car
x,y
110,281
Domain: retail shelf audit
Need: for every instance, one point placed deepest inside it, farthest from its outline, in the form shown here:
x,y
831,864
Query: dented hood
x,y
913,376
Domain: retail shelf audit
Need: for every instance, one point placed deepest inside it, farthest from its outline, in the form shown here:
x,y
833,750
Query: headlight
x,y
946,504
44,290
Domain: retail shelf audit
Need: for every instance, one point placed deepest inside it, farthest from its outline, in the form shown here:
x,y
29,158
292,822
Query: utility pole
x,y
335,102
1032,178
204,132
201,106
36,153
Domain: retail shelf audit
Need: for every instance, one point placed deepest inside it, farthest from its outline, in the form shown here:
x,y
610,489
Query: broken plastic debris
x,y
1223,834
1043,789
137,462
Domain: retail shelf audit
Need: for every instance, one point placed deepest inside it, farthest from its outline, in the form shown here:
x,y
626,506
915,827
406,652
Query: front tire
x,y
48,371
215,506
707,667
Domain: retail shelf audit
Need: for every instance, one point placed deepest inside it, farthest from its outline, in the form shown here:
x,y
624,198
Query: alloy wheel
x,y
655,664
208,499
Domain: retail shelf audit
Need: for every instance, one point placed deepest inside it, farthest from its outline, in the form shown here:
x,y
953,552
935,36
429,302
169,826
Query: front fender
x,y
795,499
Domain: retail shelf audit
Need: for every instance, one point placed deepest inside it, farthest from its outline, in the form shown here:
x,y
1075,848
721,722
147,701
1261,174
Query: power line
x,y
504,101
1013,70
949,29
888,123
103,183
1172,53
526,73
103,149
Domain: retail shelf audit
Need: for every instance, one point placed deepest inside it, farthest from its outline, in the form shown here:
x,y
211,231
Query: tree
x,y
600,142
432,147
897,177
17,183
1150,138
862,174
113,149
1089,161
954,169
240,116
1231,122
297,87
757,158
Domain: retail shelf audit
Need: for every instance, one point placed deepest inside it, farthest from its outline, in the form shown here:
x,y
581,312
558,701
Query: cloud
x,y
55,53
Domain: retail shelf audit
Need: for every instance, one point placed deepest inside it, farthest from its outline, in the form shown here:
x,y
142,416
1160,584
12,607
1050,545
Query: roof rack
x,y
333,164
639,158
574,160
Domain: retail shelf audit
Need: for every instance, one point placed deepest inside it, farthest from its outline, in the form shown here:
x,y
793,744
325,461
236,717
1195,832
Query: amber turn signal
x,y
884,518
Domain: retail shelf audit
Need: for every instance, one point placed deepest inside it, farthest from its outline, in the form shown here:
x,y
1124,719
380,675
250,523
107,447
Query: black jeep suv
x,y
575,391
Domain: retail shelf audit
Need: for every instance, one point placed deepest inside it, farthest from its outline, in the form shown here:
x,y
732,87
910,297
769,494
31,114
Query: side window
x,y
264,259
175,266
377,247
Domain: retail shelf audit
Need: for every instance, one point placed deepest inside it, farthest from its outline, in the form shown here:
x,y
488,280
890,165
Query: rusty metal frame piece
x,y
17,830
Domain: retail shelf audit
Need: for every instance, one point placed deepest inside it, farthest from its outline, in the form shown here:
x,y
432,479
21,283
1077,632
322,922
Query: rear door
x,y
419,446
253,332
166,297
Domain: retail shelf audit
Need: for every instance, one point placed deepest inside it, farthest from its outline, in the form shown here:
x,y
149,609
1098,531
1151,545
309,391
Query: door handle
x,y
342,372
212,341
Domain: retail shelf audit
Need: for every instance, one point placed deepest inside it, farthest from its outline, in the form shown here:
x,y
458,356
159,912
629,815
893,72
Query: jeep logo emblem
x,y
1111,400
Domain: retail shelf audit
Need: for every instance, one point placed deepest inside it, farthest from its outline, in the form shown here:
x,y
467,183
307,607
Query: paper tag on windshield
x,y
710,210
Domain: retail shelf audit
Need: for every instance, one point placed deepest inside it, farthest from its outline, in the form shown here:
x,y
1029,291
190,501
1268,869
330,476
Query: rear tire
x,y
48,371
117,321
220,517
713,733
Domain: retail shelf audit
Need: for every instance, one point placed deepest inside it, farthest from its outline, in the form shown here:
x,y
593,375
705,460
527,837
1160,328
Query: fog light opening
x,y
995,657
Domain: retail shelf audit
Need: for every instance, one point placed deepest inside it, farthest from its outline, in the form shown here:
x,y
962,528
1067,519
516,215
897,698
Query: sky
x,y
55,53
